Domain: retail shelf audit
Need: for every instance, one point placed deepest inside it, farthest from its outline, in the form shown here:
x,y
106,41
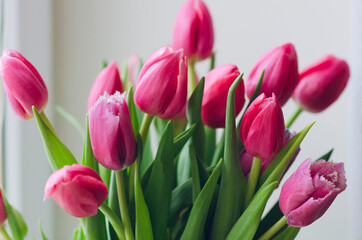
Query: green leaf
x,y
158,190
219,151
326,156
196,222
104,63
196,188
44,237
210,144
181,198
181,139
132,109
113,203
143,221
289,233
16,221
279,165
124,72
212,61
269,220
58,154
246,226
147,157
233,182
70,119
78,234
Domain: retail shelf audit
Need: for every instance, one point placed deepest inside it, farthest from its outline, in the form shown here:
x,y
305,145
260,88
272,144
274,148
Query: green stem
x,y
48,123
294,116
274,229
145,127
4,233
123,206
114,220
191,78
252,181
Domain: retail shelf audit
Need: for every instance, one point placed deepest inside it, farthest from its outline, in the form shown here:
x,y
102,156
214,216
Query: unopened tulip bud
x,y
280,76
3,215
23,85
217,84
321,83
108,81
262,128
111,133
78,189
162,84
310,190
193,30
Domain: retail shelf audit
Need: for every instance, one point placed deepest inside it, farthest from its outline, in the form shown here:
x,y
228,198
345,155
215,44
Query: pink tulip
x,y
133,66
23,85
111,133
217,84
246,160
78,189
309,192
162,84
262,128
108,81
3,215
193,30
280,76
321,83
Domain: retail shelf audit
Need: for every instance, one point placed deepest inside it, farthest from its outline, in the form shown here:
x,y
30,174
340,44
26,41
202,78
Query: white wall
x,y
86,31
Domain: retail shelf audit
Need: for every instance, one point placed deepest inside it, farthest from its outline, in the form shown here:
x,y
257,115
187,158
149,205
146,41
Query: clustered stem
x,y
4,233
293,117
252,181
274,229
114,220
145,127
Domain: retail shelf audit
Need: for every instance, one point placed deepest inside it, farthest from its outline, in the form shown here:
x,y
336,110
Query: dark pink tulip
x,y
262,128
3,215
162,84
321,83
108,81
78,189
280,76
23,85
111,133
217,84
193,30
309,192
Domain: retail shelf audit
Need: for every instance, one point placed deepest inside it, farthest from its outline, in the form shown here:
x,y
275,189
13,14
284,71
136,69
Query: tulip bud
x,y
108,81
280,76
3,215
193,30
111,133
321,83
23,85
311,189
262,128
77,189
162,84
217,84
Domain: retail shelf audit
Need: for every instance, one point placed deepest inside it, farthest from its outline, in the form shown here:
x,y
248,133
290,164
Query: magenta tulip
x,y
162,84
78,189
23,85
217,84
193,30
3,215
108,81
111,133
280,76
321,83
309,192
262,128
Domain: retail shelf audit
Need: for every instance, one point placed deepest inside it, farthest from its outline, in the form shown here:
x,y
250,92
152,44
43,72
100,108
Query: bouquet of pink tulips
x,y
195,184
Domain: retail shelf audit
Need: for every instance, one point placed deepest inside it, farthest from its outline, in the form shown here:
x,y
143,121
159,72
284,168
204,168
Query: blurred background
x,y
66,41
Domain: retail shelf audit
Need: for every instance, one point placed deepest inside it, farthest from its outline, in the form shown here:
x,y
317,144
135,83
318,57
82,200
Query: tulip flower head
x,y
262,128
24,87
193,30
280,76
310,190
162,84
321,83
78,189
217,84
108,81
3,215
111,133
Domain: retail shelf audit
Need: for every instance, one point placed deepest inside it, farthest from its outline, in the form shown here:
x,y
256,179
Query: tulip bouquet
x,y
196,182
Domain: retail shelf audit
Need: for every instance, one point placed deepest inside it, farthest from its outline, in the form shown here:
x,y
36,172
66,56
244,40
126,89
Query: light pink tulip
x,y
111,133
262,128
108,81
193,30
280,76
217,84
23,85
321,83
162,84
309,192
3,215
133,66
78,189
